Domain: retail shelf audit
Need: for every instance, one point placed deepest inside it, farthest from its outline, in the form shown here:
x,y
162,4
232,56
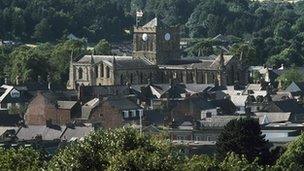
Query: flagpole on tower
x,y
139,15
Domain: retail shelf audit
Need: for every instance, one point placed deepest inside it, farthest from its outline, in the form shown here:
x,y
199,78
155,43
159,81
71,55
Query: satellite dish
x,y
145,37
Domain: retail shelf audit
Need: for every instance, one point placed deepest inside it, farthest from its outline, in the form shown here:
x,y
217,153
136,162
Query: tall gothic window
x,y
108,72
101,70
80,73
96,72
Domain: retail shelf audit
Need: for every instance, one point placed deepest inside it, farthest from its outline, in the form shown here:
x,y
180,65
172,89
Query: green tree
x,y
239,162
43,31
61,57
294,155
289,76
200,163
287,57
20,159
246,52
120,149
243,136
102,48
27,64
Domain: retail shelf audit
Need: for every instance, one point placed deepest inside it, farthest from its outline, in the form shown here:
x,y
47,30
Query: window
x,y
80,73
108,71
101,70
133,113
126,114
96,72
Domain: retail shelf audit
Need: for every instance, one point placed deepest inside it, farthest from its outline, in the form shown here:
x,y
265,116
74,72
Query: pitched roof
x,y
295,87
77,132
66,104
273,116
217,121
121,103
152,23
121,62
289,105
3,129
47,133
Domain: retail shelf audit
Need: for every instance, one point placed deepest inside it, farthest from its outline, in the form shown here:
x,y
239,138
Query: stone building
x,y
156,57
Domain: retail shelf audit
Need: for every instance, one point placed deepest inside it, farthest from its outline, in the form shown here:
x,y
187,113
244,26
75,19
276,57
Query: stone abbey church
x,y
156,58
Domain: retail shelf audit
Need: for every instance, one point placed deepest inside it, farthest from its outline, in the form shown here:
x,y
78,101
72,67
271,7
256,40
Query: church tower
x,y
156,42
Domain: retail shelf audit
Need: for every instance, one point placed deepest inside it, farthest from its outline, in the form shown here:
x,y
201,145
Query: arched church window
x,y
80,73
108,71
101,70
96,71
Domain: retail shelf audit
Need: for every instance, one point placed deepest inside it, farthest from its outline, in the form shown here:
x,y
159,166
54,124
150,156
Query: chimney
x,y
5,80
17,80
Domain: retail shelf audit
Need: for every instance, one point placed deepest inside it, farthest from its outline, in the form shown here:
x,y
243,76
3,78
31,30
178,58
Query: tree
x,y
294,155
61,57
243,136
120,149
287,57
27,64
20,159
239,162
102,48
43,31
246,52
289,76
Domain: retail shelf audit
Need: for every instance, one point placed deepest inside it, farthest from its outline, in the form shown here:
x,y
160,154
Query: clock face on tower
x,y
144,37
167,36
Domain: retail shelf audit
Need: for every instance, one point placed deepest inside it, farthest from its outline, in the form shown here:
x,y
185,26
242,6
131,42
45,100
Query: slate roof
x,y
133,63
66,104
76,132
273,117
3,129
153,23
121,103
47,133
202,64
99,58
289,105
9,119
217,121
121,62
203,104
295,87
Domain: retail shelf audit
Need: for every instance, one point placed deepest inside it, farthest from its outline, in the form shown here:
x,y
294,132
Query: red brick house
x,y
45,108
114,112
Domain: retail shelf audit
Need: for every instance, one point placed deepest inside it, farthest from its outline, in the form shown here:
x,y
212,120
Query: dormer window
x,y
133,113
126,114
